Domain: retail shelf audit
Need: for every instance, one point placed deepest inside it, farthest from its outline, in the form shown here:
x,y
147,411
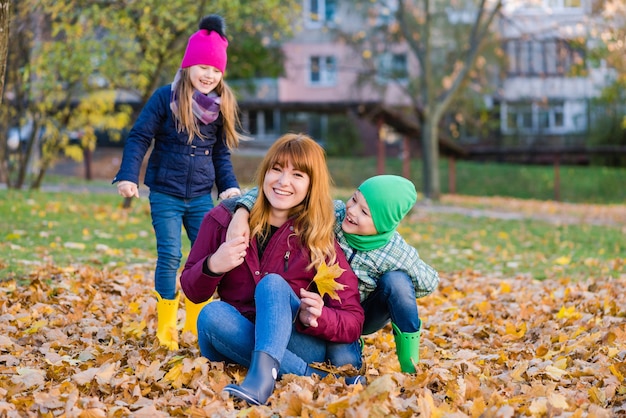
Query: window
x,y
564,4
260,122
545,57
323,71
392,67
550,48
318,12
538,118
386,12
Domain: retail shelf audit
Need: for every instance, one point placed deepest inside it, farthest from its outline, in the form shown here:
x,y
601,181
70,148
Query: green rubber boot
x,y
407,348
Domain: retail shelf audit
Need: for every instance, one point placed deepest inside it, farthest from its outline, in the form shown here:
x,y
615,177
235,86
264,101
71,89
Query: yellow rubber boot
x,y
192,310
167,315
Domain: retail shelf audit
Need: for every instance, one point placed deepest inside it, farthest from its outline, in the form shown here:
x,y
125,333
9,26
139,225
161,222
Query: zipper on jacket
x,y
286,258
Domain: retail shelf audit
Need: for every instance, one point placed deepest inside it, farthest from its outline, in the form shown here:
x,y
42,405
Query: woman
x,y
269,316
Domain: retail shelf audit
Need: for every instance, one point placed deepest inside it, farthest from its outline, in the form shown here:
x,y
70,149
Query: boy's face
x,y
358,219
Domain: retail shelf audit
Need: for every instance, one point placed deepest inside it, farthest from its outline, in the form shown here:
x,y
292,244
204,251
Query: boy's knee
x,y
396,280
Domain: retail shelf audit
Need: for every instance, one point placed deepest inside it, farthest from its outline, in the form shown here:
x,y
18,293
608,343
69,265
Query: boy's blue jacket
x,y
174,167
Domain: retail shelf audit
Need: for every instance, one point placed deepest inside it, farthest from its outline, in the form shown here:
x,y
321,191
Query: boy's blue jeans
x,y
393,299
225,335
169,215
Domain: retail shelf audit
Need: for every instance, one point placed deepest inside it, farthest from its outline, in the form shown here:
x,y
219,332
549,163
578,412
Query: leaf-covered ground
x,y
79,342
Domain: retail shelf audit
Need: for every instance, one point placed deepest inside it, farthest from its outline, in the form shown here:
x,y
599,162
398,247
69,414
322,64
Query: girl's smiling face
x,y
204,78
358,220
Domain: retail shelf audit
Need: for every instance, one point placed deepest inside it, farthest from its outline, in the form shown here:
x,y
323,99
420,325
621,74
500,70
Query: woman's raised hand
x,y
239,226
228,256
311,305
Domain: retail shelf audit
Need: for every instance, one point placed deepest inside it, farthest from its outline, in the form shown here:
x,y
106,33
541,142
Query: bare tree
x,y
5,17
446,39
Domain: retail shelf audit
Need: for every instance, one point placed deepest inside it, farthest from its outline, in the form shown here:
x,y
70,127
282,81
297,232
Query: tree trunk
x,y
430,159
36,184
5,19
26,158
88,159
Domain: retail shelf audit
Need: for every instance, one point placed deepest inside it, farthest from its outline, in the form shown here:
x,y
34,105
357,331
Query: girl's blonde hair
x,y
186,121
314,218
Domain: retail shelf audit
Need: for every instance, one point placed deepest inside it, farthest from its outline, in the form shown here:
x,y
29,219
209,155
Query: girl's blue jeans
x,y
169,215
226,335
393,299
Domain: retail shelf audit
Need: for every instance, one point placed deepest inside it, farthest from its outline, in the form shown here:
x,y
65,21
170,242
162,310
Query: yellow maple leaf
x,y
562,261
325,280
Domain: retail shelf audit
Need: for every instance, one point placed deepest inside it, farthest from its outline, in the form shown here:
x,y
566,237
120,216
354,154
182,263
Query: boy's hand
x,y
127,189
228,256
228,193
239,226
311,305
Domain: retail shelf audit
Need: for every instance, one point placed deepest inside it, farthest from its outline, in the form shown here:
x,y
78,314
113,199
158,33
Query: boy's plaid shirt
x,y
396,255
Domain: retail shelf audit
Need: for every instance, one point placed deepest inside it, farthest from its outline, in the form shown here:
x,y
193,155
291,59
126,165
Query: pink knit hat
x,y
208,45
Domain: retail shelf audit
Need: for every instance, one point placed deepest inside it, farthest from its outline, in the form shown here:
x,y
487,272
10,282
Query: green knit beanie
x,y
390,198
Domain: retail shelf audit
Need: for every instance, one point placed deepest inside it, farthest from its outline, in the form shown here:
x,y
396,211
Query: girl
x,y
269,316
193,123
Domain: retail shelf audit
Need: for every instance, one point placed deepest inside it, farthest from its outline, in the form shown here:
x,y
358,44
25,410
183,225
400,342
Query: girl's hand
x,y
127,189
228,256
239,226
311,305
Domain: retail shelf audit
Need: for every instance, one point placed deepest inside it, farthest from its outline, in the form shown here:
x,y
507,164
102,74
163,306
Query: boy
x,y
390,271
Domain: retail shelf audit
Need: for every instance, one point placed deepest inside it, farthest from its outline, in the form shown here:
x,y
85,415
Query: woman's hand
x,y
311,305
228,256
239,226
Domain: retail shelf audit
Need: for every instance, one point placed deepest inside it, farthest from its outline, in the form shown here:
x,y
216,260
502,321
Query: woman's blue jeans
x,y
169,215
226,335
393,299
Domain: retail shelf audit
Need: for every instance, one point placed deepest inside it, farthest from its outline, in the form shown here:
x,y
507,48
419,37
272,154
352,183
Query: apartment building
x,y
321,87
549,82
542,99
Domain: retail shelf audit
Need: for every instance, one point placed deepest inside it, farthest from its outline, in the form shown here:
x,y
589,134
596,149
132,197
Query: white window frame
x,y
554,115
564,4
327,69
317,18
386,67
387,12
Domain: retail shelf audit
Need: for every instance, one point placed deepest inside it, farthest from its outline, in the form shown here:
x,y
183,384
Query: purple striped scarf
x,y
206,107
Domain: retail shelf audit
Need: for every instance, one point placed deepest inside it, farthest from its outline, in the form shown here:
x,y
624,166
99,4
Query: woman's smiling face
x,y
285,187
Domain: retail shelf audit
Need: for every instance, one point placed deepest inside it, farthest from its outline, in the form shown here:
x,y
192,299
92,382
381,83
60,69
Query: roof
x,y
409,125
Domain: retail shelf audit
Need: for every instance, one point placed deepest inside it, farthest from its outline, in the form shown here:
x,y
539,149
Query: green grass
x,y
62,229
71,228
577,184
511,248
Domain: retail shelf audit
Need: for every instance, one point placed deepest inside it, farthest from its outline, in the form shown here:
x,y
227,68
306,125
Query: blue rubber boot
x,y
258,384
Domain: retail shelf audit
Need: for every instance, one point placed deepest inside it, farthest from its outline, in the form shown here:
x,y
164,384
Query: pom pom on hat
x,y
208,45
